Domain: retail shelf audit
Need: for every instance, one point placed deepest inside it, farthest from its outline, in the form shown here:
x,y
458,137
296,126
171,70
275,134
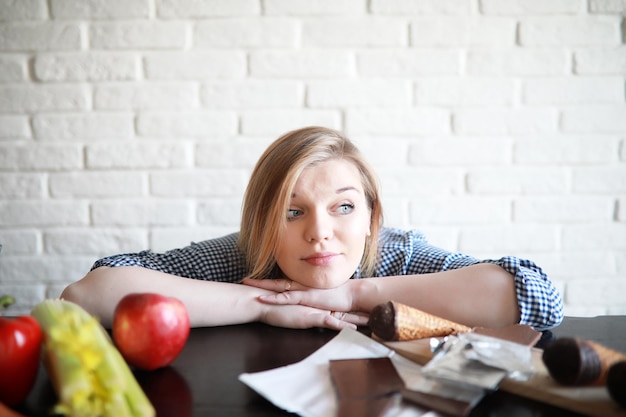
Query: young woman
x,y
312,253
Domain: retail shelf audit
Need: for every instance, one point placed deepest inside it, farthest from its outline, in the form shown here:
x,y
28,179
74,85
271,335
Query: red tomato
x,y
150,330
20,345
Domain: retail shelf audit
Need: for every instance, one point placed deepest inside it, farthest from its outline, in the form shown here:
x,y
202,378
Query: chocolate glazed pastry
x,y
616,382
572,361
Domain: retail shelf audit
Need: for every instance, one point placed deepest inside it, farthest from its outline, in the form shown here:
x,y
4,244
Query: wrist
x,y
363,293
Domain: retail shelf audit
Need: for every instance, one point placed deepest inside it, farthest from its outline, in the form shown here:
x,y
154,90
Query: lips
x,y
321,258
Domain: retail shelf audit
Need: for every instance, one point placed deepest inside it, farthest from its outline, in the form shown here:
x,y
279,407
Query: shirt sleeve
x,y
214,260
408,253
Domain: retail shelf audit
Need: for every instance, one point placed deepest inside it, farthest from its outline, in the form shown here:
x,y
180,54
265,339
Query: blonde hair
x,y
267,197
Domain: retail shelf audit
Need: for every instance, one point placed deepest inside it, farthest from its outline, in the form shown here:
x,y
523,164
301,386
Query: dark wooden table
x,y
203,381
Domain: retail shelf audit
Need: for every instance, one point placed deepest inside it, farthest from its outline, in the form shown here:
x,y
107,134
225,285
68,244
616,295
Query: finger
x,y
332,322
282,298
276,285
354,318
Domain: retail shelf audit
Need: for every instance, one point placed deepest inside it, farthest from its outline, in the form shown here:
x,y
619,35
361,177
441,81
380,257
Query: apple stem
x,y
6,300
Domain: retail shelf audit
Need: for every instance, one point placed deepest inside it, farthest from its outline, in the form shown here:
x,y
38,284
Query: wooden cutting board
x,y
592,401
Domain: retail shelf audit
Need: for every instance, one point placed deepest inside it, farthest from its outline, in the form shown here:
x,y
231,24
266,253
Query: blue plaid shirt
x,y
400,253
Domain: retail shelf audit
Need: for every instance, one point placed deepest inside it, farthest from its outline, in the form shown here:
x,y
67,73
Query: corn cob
x,y
87,371
398,322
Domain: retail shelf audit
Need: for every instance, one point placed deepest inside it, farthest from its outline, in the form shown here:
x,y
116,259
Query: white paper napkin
x,y
305,388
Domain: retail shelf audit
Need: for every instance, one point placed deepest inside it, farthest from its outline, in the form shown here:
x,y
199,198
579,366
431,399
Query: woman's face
x,y
328,222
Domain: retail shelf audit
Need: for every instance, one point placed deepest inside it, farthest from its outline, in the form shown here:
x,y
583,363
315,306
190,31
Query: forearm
x,y
208,303
477,295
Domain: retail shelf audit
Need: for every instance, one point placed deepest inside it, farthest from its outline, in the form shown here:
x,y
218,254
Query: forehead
x,y
333,173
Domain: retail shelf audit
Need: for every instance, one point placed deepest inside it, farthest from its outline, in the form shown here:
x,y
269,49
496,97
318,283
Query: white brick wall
x,y
496,126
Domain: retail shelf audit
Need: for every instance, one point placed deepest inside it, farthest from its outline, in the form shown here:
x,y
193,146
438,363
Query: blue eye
x,y
346,208
293,213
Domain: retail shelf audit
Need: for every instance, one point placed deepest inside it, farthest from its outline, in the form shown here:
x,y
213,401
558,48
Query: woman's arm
x,y
208,303
477,295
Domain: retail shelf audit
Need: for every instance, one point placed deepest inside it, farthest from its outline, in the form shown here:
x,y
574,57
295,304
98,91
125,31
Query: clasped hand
x,y
297,306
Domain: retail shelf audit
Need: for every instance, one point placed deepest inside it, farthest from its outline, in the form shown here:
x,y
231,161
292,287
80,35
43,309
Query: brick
x,y
96,184
600,180
238,154
19,242
408,63
607,6
195,65
461,31
96,242
358,93
187,124
428,7
23,10
13,68
517,180
531,7
34,98
503,121
164,239
38,157
246,32
138,155
596,237
563,209
589,90
526,61
83,126
465,91
138,35
460,151
355,31
509,239
219,212
568,265
26,296
92,66
214,8
38,270
600,30
420,182
585,311
603,292
146,96
44,36
18,186
96,9
601,119
249,94
134,212
300,64
14,127
314,7
397,121
383,151
277,122
43,213
203,183
566,150
461,210
396,211
600,61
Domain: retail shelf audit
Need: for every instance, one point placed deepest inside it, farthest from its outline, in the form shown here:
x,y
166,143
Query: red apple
x,y
150,330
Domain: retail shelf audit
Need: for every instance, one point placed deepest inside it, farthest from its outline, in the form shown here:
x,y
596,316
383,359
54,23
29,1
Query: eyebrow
x,y
338,191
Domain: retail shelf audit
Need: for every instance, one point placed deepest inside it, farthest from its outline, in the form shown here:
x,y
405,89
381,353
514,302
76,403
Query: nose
x,y
319,227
